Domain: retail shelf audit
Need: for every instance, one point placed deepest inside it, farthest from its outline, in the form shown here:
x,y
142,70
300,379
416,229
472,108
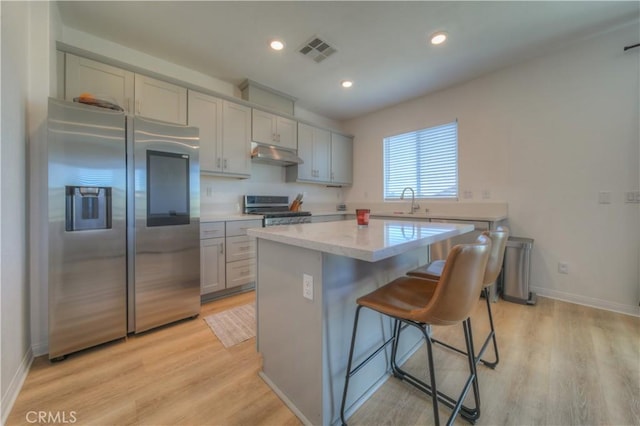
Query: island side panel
x,y
344,280
290,326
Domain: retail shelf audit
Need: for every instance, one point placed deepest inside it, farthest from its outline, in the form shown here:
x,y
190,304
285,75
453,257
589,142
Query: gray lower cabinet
x,y
212,257
241,253
227,255
241,260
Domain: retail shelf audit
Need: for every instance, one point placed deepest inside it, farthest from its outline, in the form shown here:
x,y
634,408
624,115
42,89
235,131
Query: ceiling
x,y
381,46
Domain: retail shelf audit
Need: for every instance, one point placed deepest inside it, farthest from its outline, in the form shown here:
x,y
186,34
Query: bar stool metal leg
x,y
349,371
468,413
491,336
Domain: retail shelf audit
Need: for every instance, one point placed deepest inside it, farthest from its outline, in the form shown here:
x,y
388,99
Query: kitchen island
x,y
308,279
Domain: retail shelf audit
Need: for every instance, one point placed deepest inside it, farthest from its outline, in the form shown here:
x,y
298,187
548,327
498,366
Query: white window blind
x,y
425,160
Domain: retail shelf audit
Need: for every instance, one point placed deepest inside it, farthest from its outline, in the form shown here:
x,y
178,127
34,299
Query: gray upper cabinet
x,y
205,113
314,147
101,80
160,100
341,159
327,156
273,129
225,129
236,138
135,93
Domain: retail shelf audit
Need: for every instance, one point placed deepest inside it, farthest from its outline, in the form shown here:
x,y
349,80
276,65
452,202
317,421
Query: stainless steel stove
x,y
275,209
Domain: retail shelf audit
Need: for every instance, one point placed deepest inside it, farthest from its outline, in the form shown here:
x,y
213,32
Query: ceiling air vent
x,y
317,49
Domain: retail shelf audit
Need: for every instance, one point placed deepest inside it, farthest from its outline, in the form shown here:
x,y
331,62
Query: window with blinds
x,y
425,160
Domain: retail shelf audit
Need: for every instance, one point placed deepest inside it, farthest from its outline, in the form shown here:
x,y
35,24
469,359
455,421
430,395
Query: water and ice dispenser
x,y
87,207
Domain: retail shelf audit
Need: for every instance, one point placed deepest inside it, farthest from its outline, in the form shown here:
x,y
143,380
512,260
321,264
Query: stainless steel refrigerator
x,y
124,219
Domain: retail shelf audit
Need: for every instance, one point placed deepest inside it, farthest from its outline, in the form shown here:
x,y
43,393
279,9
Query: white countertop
x,y
380,240
224,217
329,212
445,216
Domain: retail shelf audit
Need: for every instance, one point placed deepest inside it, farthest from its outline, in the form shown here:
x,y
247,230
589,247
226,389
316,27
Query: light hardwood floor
x,y
561,364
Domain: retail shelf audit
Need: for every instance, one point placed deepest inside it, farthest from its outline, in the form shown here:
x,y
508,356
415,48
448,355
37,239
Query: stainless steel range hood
x,y
273,155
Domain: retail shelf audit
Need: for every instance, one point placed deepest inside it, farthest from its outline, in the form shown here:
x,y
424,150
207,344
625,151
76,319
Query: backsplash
x,y
221,195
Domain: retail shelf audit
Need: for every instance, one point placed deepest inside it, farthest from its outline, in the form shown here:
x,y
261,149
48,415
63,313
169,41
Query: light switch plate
x,y
604,197
563,267
307,286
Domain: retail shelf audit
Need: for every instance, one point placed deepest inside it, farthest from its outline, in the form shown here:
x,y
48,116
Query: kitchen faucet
x,y
414,206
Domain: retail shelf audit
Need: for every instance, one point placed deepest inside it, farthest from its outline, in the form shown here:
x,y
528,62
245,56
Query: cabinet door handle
x,y
128,102
221,248
225,163
138,106
244,248
331,175
218,162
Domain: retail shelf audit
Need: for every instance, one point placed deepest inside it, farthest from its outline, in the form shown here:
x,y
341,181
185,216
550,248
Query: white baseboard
x,y
10,396
39,349
356,404
285,399
632,310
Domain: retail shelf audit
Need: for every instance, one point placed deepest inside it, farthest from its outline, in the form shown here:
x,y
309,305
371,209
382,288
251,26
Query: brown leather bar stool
x,y
433,270
421,303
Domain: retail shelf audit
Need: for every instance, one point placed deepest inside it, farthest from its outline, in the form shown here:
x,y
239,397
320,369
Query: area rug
x,y
234,325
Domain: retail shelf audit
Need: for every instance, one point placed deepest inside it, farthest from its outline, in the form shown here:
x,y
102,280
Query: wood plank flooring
x,y
561,364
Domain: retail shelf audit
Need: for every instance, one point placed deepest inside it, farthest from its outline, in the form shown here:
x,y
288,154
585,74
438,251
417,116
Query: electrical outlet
x,y
307,286
632,197
563,267
467,194
486,194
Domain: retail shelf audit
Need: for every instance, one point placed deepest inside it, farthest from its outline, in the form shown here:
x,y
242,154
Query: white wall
x,y
14,290
545,136
27,80
226,194
14,295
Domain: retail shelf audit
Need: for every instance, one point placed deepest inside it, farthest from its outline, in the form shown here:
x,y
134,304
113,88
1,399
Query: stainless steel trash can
x,y
517,271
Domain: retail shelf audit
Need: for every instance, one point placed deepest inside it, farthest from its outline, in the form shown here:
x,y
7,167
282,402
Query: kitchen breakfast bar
x,y
308,279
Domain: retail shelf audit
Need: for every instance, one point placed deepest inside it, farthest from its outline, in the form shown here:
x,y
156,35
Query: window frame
x,y
418,185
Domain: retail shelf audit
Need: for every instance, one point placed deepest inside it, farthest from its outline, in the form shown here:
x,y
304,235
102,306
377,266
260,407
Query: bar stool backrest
x,y
499,239
460,284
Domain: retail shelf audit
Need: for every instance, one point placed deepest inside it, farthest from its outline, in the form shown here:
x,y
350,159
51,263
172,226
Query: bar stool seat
x,y
433,271
420,303
405,297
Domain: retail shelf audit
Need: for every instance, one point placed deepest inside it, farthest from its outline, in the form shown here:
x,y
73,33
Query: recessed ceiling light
x,y
346,83
276,45
438,38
